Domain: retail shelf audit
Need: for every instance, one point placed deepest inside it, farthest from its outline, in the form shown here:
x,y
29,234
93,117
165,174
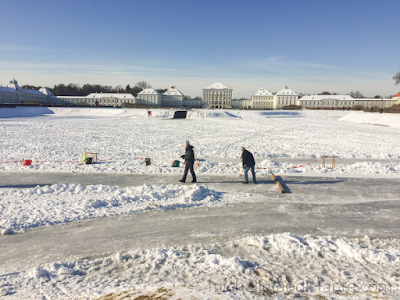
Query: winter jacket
x,y
189,155
247,159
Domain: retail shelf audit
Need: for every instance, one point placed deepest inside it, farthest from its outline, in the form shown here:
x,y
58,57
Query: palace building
x,y
217,95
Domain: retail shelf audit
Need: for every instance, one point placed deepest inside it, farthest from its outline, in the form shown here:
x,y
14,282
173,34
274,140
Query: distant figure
x,y
96,103
372,108
381,110
248,163
189,161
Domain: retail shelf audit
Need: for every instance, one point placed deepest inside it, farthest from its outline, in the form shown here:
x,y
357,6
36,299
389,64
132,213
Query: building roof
x,y
14,85
34,92
149,92
321,97
45,91
286,91
217,86
111,95
398,95
173,91
263,92
7,89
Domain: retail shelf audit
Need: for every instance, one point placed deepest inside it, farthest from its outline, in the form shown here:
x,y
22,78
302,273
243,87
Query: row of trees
x,y
355,94
77,90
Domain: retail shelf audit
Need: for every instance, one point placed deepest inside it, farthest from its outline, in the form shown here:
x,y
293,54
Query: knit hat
x,y
243,148
187,143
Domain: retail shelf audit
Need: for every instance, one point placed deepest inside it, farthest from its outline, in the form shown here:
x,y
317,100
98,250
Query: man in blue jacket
x,y
248,163
189,161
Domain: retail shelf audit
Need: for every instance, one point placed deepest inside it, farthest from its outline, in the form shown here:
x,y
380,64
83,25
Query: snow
x,y
110,95
46,91
173,92
149,91
7,89
279,265
60,203
24,112
320,97
263,92
286,91
392,120
280,146
218,86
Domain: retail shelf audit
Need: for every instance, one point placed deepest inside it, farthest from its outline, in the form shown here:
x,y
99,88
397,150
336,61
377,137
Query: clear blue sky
x,y
311,46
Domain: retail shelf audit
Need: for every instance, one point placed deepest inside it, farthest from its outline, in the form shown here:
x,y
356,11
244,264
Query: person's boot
x,y
182,181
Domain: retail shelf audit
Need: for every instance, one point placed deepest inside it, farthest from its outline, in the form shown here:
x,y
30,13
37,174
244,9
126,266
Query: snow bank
x,y
60,203
99,112
280,266
24,112
163,113
392,120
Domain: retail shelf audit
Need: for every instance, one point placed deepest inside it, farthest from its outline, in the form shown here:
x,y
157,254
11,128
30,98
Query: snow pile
x,y
24,112
392,120
59,203
278,265
98,112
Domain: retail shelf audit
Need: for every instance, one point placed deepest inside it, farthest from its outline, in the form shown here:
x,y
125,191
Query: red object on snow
x,y
27,162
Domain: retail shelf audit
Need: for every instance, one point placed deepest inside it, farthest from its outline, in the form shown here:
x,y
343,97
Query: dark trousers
x,y
246,170
187,168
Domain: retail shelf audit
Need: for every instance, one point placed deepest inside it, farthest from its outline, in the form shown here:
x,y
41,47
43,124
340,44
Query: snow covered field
x,y
57,141
279,265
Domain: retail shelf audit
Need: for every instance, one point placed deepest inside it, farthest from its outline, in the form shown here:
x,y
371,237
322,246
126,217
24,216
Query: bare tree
x,y
356,94
396,78
143,85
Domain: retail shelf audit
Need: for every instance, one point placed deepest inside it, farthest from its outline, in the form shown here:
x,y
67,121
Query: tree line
x,y
73,89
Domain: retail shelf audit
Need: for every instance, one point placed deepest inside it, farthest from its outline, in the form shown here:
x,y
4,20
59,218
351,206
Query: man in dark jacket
x,y
248,163
189,161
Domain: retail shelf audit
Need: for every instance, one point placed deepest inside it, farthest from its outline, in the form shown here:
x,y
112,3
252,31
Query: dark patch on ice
x,y
282,114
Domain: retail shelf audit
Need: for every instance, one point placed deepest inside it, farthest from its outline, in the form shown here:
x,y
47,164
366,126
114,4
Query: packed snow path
x,y
318,206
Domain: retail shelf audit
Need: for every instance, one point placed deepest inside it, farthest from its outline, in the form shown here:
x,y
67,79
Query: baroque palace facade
x,y
14,94
217,96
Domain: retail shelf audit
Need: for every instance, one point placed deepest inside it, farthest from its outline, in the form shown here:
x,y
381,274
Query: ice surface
x,y
123,137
